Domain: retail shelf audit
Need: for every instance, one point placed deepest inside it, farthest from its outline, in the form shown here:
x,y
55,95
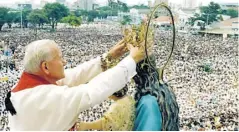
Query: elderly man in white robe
x,y
49,98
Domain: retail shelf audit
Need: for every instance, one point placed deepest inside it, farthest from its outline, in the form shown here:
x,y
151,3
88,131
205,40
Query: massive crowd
x,y
203,71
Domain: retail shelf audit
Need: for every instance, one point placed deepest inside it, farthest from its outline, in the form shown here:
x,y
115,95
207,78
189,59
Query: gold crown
x,y
136,35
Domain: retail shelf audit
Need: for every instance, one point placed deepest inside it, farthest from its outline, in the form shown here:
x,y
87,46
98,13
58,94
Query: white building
x,y
61,1
229,24
225,17
85,4
43,3
226,6
69,5
150,3
134,14
190,4
183,18
156,2
225,28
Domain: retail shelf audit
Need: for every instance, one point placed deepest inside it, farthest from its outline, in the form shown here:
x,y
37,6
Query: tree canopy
x,y
52,13
11,18
55,12
126,20
3,16
37,17
72,20
231,12
208,14
142,6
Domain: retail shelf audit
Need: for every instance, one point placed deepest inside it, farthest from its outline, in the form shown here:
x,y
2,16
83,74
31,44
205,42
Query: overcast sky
x,y
130,2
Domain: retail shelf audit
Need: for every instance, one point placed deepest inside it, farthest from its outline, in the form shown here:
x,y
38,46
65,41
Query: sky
x,y
130,2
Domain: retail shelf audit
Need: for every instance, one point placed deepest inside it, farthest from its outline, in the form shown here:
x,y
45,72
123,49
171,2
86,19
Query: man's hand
x,y
138,53
118,50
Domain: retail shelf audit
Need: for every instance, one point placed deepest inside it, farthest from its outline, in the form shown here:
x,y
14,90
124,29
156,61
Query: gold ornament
x,y
135,36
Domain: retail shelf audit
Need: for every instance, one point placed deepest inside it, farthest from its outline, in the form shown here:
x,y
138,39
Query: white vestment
x,y
52,107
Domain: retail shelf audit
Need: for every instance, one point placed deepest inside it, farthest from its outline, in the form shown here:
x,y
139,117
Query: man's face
x,y
56,65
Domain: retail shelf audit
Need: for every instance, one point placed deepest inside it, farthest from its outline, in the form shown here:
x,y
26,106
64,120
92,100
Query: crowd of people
x,y
203,71
204,75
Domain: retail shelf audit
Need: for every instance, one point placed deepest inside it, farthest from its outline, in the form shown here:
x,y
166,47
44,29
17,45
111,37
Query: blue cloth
x,y
7,52
148,115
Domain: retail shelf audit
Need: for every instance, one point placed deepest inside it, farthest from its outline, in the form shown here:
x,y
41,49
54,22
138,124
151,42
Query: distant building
x,y
162,20
183,18
25,6
134,14
85,4
175,6
190,4
232,24
226,6
225,28
156,2
95,6
43,3
150,3
61,1
75,5
143,11
224,17
69,5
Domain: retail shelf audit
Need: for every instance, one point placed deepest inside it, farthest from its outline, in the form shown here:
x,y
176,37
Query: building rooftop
x,y
220,31
229,22
187,11
235,4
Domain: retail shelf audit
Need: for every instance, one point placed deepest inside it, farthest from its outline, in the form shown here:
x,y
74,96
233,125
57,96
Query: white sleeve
x,y
106,83
82,73
57,107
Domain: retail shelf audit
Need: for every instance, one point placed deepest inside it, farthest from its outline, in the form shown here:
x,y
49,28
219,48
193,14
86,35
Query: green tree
x,y
25,13
104,8
194,18
142,6
103,14
208,14
84,12
116,6
122,6
231,12
55,12
11,18
104,11
126,20
90,19
17,18
72,20
92,15
37,17
77,13
223,11
112,4
125,8
3,16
